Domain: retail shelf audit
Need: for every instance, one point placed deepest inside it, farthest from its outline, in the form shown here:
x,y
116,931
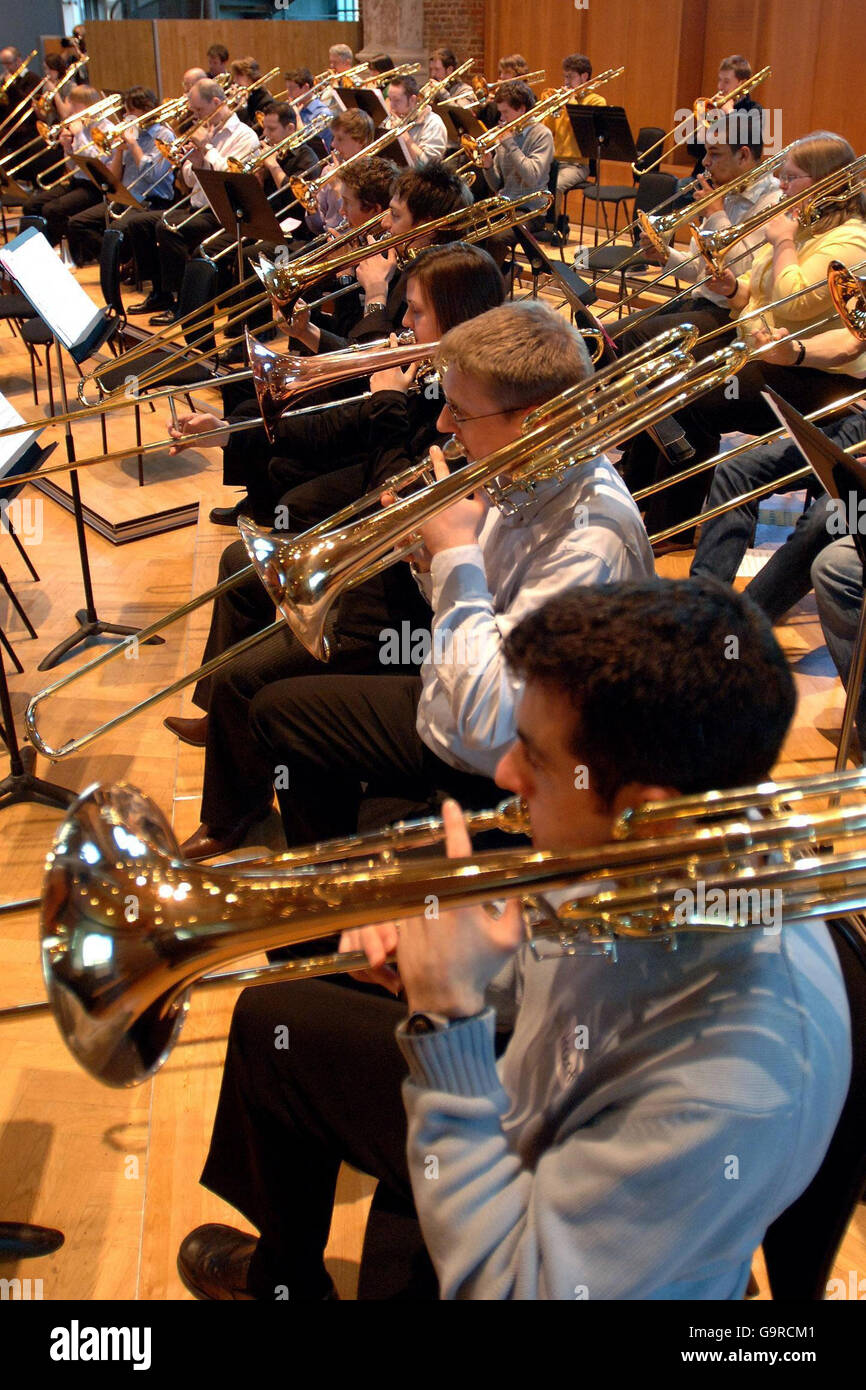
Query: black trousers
x,y
59,205
86,228
332,739
238,778
704,314
735,406
140,230
174,248
306,447
289,1115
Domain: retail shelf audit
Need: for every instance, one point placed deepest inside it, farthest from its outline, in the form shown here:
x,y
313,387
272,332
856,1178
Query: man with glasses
x,y
648,1118
481,569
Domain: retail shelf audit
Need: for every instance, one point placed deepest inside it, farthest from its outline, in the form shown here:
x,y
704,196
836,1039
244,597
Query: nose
x,y
506,774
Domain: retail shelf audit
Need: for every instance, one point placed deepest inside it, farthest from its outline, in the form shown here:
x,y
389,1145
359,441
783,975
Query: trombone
x,y
305,577
120,989
13,76
474,148
431,90
713,103
307,193
484,90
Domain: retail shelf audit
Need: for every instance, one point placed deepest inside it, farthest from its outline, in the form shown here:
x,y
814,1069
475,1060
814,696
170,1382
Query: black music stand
x,y
578,293
836,471
239,202
364,99
90,335
602,132
109,185
394,151
462,121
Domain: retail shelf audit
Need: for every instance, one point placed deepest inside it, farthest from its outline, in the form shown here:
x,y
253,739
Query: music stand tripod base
x,y
22,784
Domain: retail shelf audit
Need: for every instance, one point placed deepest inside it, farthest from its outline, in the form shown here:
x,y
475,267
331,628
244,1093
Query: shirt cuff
x,y
446,562
460,1060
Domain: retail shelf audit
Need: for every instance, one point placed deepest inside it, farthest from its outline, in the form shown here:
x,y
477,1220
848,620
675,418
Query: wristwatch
x,y
375,306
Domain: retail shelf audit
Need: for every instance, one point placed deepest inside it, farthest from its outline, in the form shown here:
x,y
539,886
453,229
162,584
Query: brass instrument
x,y
13,76
286,283
476,147
848,293
713,103
660,229
112,139
307,192
50,135
44,105
351,77
298,137
380,79
305,578
832,190
485,90
432,89
128,927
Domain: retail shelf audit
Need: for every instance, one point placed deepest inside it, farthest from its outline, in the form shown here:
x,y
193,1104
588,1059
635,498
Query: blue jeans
x,y
837,576
784,580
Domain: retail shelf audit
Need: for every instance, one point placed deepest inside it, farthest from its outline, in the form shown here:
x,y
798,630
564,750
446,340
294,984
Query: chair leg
x,y
13,599
50,381
33,373
104,432
12,657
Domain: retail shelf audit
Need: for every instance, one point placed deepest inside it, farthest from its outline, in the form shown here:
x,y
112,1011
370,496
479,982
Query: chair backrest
x,y
199,284
801,1244
647,136
109,270
30,220
652,190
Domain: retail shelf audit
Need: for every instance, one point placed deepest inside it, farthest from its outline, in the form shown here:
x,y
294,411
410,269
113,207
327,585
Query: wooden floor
x,y
118,1171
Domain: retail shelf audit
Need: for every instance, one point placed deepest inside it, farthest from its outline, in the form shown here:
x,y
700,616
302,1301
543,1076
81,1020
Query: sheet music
x,y
14,445
50,287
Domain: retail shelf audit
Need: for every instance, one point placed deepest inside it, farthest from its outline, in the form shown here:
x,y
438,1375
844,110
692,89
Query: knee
x,y
233,559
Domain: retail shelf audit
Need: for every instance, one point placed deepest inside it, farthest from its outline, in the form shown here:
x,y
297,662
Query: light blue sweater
x,y
646,1123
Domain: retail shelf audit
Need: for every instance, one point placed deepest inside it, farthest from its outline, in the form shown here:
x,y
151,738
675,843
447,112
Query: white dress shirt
x,y
583,530
233,140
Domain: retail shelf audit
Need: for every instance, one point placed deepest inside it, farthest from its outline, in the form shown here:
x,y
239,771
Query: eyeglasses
x,y
789,176
460,419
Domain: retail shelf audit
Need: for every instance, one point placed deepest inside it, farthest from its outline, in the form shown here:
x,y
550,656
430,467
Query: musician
x,y
837,578
576,72
10,61
589,1160
224,137
794,258
299,81
521,162
77,191
340,58
136,161
733,72
480,569
723,543
217,60
351,132
376,438
443,61
246,71
190,77
426,140
53,105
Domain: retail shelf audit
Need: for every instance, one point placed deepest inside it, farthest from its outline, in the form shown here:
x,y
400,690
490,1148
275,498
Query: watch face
x,y
420,1023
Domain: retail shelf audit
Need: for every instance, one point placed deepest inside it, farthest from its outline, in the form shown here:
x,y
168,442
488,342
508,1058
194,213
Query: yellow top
x,y
846,243
565,147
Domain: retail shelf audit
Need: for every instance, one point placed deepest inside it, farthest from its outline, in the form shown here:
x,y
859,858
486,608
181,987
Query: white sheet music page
x,y
51,288
14,445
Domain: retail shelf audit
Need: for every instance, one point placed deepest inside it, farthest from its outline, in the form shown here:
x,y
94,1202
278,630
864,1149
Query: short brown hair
x,y
356,124
139,99
446,56
522,354
577,62
409,85
371,180
431,191
517,94
245,67
738,65
283,110
218,50
516,63
302,77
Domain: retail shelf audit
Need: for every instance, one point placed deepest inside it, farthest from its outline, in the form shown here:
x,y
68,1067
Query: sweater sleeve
x,y
530,165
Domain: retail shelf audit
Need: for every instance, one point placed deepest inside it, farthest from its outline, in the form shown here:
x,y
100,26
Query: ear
x,y
636,794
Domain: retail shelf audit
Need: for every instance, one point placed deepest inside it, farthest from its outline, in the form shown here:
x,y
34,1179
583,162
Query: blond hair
x,y
821,153
522,354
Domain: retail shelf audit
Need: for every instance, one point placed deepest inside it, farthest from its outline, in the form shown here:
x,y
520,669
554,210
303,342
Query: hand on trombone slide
x,y
187,427
444,964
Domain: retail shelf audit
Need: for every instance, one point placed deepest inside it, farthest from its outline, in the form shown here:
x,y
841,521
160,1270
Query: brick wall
x,y
460,27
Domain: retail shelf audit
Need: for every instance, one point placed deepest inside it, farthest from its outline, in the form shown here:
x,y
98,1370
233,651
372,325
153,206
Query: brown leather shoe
x,y
208,841
193,731
213,1262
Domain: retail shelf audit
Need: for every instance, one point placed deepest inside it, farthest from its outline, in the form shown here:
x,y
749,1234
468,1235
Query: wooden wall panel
x,y
121,55
672,48
123,52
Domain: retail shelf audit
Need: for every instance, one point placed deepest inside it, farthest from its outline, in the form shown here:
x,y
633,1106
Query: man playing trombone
x,y
633,1128
75,190
427,139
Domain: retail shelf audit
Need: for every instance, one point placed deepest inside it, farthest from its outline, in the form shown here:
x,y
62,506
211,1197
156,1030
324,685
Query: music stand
x,y
462,121
578,293
239,202
81,328
364,99
836,470
602,132
109,185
